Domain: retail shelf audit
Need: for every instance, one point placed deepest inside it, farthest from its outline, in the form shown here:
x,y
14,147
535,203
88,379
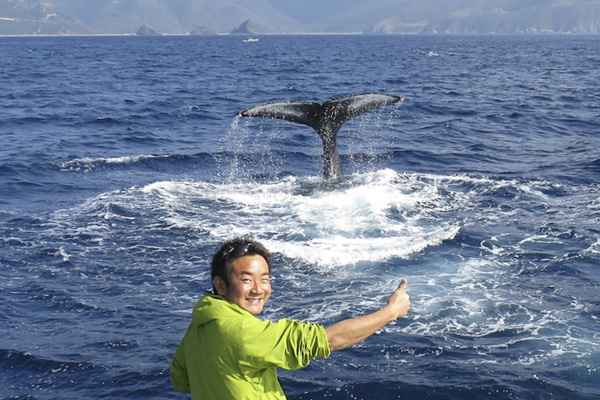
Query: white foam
x,y
380,217
594,248
62,252
88,164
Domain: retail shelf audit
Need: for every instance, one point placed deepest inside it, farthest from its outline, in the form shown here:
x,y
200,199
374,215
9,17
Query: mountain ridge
x,y
23,17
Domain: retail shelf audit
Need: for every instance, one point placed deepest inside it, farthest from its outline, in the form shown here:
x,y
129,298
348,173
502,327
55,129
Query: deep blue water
x,y
123,167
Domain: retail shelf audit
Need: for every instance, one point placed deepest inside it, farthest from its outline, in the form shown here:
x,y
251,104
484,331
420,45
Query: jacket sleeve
x,y
287,344
179,375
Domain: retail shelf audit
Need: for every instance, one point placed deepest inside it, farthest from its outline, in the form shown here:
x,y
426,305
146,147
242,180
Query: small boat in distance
x,y
250,39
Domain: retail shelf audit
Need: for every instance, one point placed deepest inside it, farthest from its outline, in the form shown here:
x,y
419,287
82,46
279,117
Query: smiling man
x,y
228,353
248,284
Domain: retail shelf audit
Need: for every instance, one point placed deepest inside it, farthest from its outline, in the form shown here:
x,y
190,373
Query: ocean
x,y
123,167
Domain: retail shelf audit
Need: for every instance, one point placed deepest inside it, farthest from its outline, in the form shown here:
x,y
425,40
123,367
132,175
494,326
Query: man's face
x,y
249,285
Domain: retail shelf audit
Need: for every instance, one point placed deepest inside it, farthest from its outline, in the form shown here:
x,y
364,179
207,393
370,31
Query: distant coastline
x,y
368,17
299,34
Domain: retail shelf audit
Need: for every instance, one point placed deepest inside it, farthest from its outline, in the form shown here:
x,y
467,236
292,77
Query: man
x,y
228,353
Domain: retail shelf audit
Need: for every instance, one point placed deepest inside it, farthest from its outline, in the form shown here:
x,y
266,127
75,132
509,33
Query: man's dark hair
x,y
230,251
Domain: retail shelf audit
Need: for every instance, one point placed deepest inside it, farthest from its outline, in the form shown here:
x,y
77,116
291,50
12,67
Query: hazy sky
x,y
308,11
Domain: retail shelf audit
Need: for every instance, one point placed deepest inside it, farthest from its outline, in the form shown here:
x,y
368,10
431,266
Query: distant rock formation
x,y
245,28
145,30
202,31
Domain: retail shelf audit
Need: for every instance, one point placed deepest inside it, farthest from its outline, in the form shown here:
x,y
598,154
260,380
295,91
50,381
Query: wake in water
x,y
368,218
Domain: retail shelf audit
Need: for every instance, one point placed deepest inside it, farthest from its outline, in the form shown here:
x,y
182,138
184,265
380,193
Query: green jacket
x,y
228,353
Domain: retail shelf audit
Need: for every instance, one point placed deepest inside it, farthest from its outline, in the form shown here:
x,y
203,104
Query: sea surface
x,y
123,166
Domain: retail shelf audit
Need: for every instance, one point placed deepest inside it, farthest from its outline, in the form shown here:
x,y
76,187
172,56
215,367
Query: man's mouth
x,y
254,300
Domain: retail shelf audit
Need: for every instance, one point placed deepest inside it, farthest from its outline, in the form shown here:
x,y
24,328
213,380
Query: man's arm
x,y
351,331
179,377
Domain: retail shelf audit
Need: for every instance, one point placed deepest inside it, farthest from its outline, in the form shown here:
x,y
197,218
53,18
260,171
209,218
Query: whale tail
x,y
326,119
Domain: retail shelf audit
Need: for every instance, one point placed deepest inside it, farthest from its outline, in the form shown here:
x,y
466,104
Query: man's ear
x,y
220,285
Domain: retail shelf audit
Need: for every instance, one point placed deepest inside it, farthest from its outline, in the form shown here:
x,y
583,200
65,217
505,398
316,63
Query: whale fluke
x,y
326,119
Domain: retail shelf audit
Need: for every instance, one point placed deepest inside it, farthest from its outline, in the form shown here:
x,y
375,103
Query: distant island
x,y
145,30
202,31
245,28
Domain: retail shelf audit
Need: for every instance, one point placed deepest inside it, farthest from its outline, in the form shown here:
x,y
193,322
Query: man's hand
x,y
351,331
399,301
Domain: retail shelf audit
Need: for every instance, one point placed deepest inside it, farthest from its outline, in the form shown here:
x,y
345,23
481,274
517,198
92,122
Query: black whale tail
x,y
326,119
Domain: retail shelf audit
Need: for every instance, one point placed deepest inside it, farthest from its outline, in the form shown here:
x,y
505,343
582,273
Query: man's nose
x,y
256,287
